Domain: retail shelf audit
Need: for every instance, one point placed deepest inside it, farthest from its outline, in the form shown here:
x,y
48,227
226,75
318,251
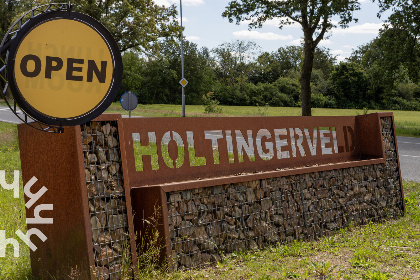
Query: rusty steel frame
x,y
57,161
60,163
370,151
366,137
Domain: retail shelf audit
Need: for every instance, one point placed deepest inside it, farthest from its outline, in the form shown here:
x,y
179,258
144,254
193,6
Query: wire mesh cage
x,y
107,200
206,222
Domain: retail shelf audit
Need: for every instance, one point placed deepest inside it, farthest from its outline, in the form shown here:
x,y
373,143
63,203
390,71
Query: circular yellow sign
x,y
63,68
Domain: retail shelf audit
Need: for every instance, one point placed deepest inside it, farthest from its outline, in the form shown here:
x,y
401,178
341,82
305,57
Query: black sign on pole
x,y
129,102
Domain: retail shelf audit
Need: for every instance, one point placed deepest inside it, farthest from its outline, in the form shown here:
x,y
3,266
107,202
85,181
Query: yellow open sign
x,y
65,68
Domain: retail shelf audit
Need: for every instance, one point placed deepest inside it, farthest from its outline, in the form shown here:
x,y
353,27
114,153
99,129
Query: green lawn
x,y
12,210
407,122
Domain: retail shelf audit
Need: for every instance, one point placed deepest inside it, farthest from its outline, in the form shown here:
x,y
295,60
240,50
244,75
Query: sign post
x,y
129,102
183,81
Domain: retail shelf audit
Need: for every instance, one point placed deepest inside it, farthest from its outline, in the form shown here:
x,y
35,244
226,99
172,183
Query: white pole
x,y
182,61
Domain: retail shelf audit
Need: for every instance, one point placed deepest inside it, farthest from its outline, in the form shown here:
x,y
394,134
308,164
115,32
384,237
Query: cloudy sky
x,y
205,26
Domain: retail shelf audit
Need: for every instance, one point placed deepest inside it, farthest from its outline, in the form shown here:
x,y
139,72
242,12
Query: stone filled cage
x,y
85,172
203,223
107,200
99,195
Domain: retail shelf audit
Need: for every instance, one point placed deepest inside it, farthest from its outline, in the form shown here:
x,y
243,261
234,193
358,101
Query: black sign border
x,y
115,54
128,92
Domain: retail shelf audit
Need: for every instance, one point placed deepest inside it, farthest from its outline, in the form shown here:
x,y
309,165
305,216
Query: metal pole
x,y
182,61
129,107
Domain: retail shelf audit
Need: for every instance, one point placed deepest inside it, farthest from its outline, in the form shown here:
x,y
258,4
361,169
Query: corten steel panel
x,y
56,161
126,177
195,184
349,147
370,136
145,198
150,203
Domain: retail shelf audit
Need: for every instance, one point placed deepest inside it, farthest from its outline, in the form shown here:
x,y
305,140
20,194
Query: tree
x,y
234,61
135,24
388,61
199,69
286,60
350,84
314,16
271,66
155,79
405,15
8,10
132,74
404,22
324,61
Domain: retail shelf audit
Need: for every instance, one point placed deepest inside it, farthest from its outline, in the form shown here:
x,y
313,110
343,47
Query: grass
x,y
407,122
12,210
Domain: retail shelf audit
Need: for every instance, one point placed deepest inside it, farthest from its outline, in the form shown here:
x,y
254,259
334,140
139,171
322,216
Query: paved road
x,y
408,147
7,116
409,152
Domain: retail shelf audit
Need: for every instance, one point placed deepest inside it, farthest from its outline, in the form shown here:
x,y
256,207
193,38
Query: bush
x,y
399,103
290,88
211,104
351,84
408,91
230,95
321,101
281,100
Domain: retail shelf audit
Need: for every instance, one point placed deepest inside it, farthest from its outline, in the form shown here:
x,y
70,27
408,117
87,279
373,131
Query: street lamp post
x,y
182,61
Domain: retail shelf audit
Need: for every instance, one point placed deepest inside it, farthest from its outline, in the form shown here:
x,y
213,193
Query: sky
x,y
205,26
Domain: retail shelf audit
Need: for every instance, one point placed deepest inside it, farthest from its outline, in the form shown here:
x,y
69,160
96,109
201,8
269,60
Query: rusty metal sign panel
x,y
165,150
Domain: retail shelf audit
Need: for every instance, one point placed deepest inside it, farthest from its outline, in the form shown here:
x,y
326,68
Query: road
x,y
6,115
409,153
408,148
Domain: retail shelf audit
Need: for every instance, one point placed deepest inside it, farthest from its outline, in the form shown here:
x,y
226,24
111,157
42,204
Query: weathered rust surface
x,y
356,139
369,181
60,168
56,160
195,184
126,177
149,211
370,136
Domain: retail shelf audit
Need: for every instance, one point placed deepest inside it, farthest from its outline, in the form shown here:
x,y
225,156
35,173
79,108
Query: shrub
x,y
321,101
399,103
211,104
289,87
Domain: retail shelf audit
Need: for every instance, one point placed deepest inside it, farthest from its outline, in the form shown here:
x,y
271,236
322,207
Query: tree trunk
x,y
305,78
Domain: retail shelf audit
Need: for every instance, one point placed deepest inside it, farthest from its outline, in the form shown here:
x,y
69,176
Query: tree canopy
x,y
314,17
135,24
404,25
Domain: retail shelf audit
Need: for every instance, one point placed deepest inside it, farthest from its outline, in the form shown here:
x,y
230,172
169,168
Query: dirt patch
x,y
6,138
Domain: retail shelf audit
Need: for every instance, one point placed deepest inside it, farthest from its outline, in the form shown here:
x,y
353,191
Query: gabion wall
x,y
206,221
107,207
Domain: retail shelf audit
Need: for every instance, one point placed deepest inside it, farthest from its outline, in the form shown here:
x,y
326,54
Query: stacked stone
x,y
205,222
392,174
107,208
